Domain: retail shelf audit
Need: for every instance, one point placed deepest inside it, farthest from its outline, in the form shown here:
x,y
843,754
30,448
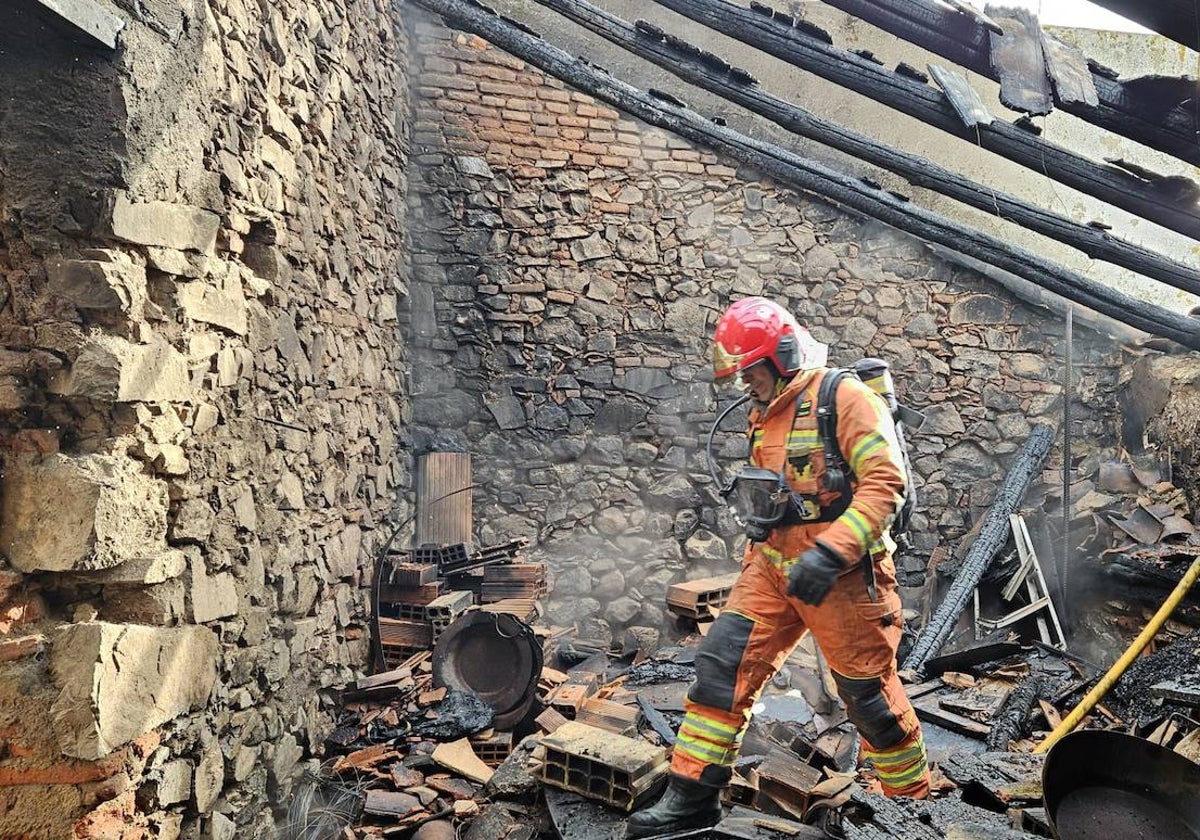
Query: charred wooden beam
x,y
1178,20
963,40
809,51
805,175
717,76
1009,724
990,542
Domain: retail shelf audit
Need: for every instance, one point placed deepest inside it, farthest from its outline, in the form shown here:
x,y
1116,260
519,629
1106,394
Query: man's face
x,y
759,380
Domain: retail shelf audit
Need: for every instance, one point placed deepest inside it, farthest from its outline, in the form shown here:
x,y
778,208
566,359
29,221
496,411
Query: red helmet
x,y
756,329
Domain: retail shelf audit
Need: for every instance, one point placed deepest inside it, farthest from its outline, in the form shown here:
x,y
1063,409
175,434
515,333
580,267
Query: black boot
x,y
685,804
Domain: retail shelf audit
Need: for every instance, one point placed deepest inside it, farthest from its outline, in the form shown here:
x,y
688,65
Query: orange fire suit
x,y
858,631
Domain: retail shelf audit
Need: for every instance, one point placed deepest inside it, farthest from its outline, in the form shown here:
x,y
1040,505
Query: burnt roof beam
x,y
736,86
800,173
802,49
1178,20
963,40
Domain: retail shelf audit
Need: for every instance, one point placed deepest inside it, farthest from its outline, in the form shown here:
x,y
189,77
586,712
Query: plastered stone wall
x,y
202,406
569,267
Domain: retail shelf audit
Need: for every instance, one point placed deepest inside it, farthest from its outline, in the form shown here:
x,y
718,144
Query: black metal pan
x,y
1102,785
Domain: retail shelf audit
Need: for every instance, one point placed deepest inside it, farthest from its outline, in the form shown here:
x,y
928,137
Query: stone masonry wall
x,y
202,242
569,267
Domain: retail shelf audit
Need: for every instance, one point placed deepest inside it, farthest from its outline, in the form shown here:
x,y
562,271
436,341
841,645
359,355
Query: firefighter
x,y
817,561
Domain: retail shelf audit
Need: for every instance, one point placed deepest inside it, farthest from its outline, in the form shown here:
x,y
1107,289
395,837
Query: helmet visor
x,y
727,366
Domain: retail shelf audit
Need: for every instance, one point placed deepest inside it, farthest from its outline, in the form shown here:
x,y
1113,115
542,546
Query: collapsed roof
x,y
1025,59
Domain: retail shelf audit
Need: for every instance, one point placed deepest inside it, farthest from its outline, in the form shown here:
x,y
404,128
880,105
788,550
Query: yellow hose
x,y
1114,673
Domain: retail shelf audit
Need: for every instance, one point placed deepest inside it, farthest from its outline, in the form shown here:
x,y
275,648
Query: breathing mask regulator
x,y
760,499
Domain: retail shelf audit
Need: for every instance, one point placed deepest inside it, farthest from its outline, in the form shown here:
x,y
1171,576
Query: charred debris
x,y
485,722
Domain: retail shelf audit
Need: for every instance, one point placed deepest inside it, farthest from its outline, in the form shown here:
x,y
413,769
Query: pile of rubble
x,y
487,724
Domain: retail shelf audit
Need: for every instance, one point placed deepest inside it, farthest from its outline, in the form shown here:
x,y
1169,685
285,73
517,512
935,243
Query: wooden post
x,y
444,498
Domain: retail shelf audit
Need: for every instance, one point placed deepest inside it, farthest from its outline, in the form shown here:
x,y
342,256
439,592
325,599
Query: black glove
x,y
813,574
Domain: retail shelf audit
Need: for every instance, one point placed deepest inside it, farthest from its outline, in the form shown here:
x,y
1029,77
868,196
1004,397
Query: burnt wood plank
x,y
809,176
962,96
928,710
1069,71
1019,62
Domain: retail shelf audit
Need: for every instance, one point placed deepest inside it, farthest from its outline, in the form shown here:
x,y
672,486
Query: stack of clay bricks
x,y
423,590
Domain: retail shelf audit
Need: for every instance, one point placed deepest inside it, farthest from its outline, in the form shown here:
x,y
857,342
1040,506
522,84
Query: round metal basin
x,y
495,656
1110,786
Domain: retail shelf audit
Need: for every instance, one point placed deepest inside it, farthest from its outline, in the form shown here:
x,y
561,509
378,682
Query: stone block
x,y
210,776
112,369
115,286
211,597
163,224
222,304
161,604
193,521
118,681
62,513
152,569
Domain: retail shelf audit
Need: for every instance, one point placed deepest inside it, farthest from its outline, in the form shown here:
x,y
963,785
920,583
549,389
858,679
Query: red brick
x,y
613,160
504,89
587,111
21,647
552,95
601,125
515,116
584,159
447,81
481,110
489,71
574,122
558,108
41,441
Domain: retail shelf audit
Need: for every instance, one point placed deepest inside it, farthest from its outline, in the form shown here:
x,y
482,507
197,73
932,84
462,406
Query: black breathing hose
x,y
708,450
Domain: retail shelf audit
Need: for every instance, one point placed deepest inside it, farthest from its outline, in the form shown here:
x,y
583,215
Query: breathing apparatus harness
x,y
761,499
